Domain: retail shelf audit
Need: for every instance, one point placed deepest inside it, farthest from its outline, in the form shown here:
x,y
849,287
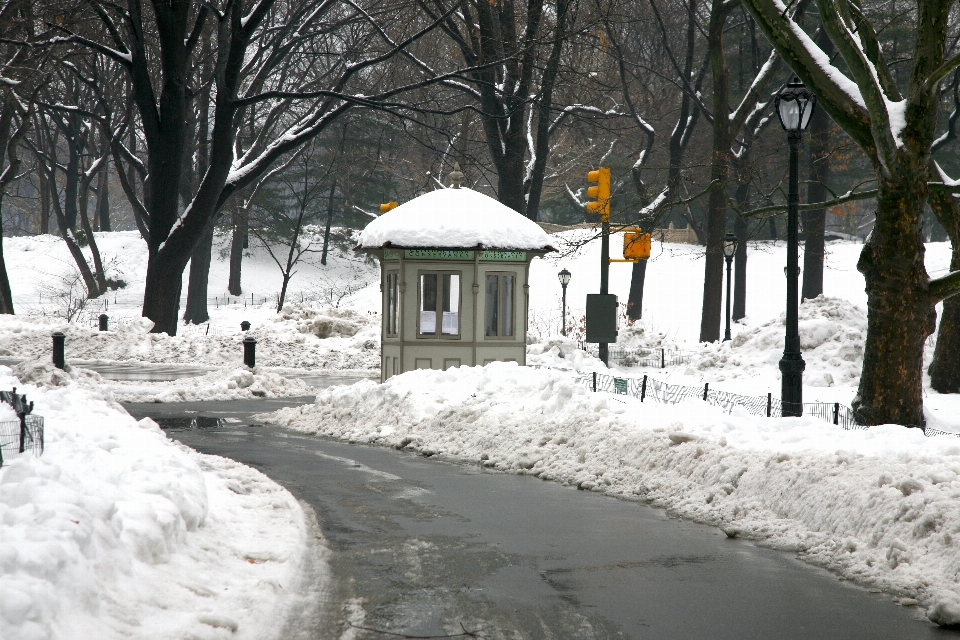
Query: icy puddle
x,y
189,423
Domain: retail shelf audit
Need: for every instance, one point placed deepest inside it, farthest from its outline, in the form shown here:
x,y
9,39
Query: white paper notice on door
x,y
428,322
451,323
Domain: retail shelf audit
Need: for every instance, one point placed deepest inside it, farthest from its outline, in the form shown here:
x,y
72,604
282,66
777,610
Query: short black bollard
x,y
104,320
244,326
250,351
58,341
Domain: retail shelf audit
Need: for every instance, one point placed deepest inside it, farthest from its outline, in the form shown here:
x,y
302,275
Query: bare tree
x,y
259,67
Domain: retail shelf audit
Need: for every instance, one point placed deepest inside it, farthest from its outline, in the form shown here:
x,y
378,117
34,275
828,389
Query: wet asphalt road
x,y
424,546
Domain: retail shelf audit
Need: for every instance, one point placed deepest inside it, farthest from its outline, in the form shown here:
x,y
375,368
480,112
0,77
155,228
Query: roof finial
x,y
456,176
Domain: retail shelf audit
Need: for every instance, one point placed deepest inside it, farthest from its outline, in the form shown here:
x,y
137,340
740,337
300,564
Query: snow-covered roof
x,y
454,218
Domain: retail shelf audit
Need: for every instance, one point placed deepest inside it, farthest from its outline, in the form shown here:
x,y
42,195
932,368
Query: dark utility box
x,y
601,317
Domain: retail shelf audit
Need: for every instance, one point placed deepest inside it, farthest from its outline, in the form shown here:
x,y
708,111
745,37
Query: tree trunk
x,y
6,295
72,184
161,299
741,230
326,231
196,311
510,175
84,201
635,300
772,226
814,222
901,316
89,281
94,251
945,368
710,318
544,109
103,198
240,221
283,291
44,203
6,126
66,232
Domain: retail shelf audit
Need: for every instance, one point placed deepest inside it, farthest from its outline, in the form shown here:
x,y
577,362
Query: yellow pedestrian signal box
x,y
636,245
388,206
599,194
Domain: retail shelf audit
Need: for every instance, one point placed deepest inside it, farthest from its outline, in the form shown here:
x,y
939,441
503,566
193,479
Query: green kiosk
x,y
455,270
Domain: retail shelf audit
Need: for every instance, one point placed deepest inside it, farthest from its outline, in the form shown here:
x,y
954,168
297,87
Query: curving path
x,y
419,547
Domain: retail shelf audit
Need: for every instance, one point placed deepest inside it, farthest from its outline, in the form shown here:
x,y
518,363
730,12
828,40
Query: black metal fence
x,y
642,357
24,435
666,393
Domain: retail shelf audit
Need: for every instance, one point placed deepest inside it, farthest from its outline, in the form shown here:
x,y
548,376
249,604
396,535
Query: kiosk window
x,y
499,305
439,299
393,303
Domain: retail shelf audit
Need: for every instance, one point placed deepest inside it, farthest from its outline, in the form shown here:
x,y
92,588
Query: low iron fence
x,y
666,393
24,435
641,356
201,330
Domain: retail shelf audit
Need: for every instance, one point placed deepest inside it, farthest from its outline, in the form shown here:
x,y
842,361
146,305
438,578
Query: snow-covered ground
x,y
673,290
315,335
298,338
224,384
118,532
879,506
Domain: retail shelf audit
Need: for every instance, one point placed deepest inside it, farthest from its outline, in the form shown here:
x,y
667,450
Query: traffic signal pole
x,y
601,205
604,350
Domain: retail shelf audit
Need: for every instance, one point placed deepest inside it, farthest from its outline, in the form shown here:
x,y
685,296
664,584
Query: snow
x,y
118,532
226,384
298,338
897,115
832,334
877,506
822,60
454,218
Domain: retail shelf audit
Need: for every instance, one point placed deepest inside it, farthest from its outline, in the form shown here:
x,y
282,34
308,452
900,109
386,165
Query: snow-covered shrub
x,y
327,322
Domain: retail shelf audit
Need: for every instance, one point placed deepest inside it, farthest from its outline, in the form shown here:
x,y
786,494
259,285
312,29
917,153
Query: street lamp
x,y
795,105
564,281
729,250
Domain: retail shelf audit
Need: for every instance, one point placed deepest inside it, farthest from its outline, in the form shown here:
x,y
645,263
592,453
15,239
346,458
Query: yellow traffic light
x,y
636,245
599,194
387,206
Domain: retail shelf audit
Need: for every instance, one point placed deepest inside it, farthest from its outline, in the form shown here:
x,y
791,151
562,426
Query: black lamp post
x,y
564,281
729,250
795,105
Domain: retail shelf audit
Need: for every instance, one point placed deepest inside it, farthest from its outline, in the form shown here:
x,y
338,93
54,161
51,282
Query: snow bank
x,y
118,532
562,353
299,337
226,384
832,335
880,506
